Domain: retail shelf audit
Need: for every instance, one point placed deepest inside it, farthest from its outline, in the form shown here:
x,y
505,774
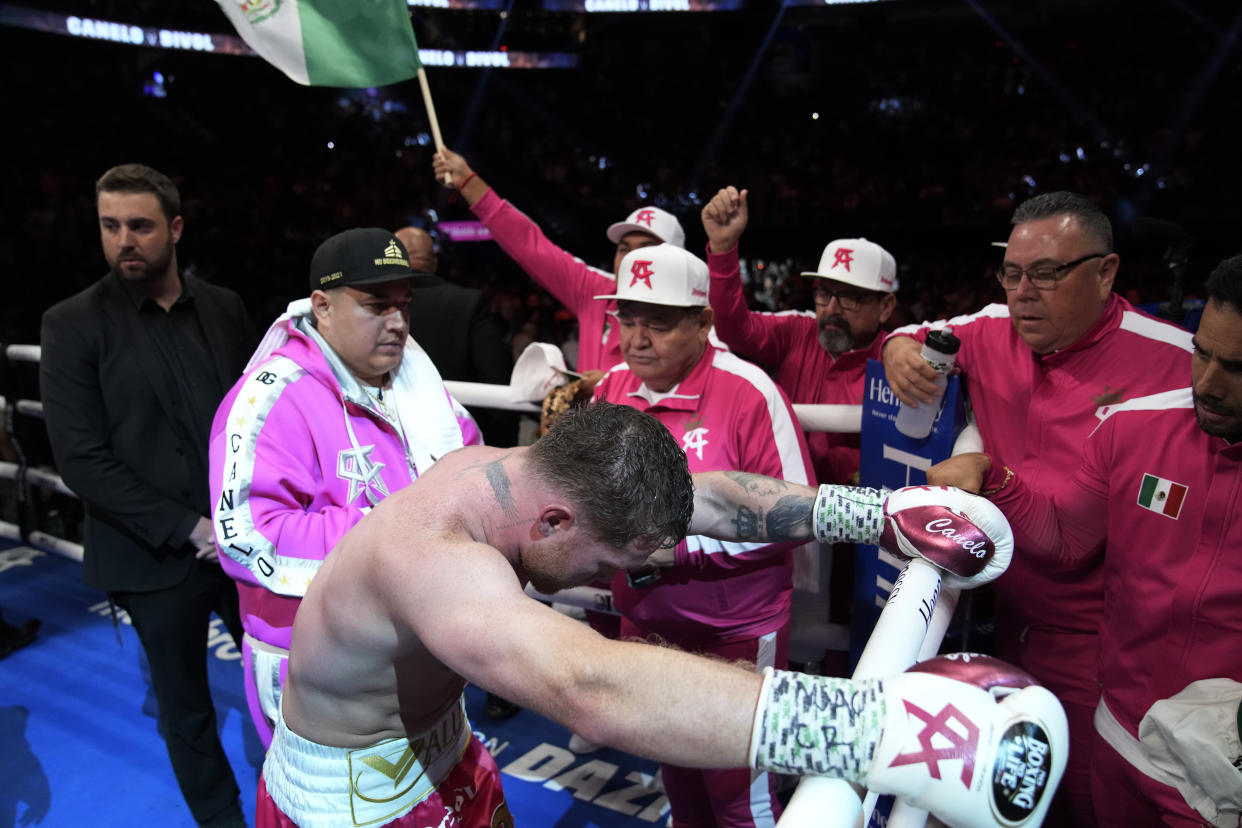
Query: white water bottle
x,y
940,351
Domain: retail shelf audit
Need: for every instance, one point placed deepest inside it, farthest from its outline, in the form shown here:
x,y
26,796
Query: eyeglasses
x,y
1043,276
851,301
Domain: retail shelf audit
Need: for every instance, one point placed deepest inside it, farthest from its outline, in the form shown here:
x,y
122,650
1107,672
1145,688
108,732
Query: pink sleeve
x,y
1068,527
966,328
916,332
568,278
753,335
272,508
290,503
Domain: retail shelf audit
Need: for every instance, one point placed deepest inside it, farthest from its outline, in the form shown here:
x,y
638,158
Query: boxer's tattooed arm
x,y
790,518
501,487
746,523
757,484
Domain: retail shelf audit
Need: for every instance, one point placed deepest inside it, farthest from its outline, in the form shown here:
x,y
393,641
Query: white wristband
x,y
817,725
848,514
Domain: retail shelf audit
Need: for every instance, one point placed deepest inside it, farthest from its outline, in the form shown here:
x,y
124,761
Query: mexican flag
x,y
1162,496
350,43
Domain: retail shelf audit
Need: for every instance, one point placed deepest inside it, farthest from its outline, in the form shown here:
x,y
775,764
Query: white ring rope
x,y
836,418
901,637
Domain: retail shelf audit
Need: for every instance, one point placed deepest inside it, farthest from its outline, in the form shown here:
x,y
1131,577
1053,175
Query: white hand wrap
x,y
964,535
816,725
848,514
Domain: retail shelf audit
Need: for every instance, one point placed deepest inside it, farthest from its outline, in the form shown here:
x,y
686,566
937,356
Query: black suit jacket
x,y
456,328
106,401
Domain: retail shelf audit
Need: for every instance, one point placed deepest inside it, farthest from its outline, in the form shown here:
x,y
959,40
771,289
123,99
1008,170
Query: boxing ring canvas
x,y
79,743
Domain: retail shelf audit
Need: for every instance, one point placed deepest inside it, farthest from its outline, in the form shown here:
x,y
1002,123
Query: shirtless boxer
x,y
426,593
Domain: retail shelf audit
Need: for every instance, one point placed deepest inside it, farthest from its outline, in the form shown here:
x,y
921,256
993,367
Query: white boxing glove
x,y
931,736
963,534
975,755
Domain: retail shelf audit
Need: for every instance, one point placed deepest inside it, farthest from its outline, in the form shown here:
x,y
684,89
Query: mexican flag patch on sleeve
x,y
1162,496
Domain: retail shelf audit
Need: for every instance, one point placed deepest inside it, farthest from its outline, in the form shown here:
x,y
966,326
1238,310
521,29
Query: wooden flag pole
x,y
431,116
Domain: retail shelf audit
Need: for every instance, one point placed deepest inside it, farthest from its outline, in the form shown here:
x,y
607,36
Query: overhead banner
x,y
129,34
473,5
627,6
465,231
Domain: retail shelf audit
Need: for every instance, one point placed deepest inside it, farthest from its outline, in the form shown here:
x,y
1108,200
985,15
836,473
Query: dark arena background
x,y
919,124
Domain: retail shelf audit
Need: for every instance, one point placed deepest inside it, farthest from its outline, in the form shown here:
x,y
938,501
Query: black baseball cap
x,y
360,256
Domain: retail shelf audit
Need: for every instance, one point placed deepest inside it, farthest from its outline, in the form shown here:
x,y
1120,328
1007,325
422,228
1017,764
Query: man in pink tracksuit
x,y
731,600
1161,479
338,409
572,281
818,357
1039,370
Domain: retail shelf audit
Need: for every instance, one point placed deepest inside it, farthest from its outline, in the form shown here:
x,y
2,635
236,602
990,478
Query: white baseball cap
x,y
539,369
662,275
659,223
860,263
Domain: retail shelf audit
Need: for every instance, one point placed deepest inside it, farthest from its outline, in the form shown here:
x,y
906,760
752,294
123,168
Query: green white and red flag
x,y
1162,496
347,43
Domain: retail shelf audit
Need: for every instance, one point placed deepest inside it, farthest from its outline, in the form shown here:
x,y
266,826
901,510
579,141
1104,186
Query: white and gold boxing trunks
x,y
315,785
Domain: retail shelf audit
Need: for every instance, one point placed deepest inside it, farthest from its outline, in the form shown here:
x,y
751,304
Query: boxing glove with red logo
x,y
968,738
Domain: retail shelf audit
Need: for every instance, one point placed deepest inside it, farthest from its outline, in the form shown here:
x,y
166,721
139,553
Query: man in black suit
x,y
132,370
456,328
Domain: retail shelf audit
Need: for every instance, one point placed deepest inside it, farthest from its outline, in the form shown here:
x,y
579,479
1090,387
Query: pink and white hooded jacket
x,y
300,452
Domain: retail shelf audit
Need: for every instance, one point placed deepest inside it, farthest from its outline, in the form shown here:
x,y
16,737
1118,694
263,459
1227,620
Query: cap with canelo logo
x,y
860,263
662,275
652,220
361,256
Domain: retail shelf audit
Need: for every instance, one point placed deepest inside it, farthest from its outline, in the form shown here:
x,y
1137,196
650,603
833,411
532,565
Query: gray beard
x,y
835,341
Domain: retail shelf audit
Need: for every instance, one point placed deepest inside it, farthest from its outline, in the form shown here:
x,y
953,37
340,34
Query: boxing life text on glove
x,y
942,744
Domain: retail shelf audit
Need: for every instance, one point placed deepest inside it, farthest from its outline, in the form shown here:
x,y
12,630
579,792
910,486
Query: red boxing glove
x,y
964,535
1000,678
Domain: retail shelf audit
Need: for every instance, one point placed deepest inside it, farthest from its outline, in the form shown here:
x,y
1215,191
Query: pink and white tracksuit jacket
x,y
1034,413
300,452
1168,499
788,343
727,415
731,600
